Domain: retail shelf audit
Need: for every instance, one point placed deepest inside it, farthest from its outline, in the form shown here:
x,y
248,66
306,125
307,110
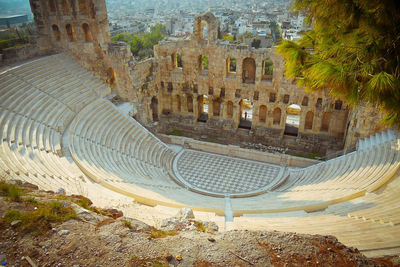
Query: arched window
x,y
326,119
87,33
338,104
216,106
277,116
305,101
203,63
70,32
177,103
154,108
65,7
268,69
52,5
249,70
189,103
231,64
83,7
309,120
111,77
56,32
262,113
229,109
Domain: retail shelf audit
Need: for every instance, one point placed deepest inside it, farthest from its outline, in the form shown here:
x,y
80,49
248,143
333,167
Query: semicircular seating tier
x,y
51,106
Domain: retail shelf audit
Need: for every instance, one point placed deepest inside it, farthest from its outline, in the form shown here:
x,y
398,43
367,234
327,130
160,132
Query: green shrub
x,y
155,233
41,218
11,215
11,191
175,132
127,224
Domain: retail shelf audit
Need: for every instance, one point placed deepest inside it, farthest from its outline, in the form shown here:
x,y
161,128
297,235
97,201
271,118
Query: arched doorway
x,y
202,108
292,120
276,115
249,70
154,108
111,77
56,32
246,113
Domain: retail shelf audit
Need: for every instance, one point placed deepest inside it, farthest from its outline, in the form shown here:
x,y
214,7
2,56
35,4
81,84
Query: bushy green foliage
x,y
40,218
353,50
11,191
155,233
228,37
175,132
142,44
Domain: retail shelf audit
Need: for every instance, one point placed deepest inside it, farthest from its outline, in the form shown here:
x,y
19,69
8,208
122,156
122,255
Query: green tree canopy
x,y
142,44
353,50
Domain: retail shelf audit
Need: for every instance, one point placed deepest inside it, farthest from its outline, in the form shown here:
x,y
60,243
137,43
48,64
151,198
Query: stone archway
x,y
249,70
292,120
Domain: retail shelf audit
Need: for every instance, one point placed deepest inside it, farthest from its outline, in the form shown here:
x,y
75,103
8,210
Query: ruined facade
x,y
201,86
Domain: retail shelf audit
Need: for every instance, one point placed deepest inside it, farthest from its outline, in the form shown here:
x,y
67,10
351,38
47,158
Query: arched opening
x,y
179,60
286,99
305,101
268,69
56,32
83,7
309,120
202,101
246,113
87,33
70,33
111,77
65,7
154,108
338,104
249,70
203,63
189,102
204,29
231,64
229,109
326,119
52,5
262,115
177,103
292,120
216,107
276,116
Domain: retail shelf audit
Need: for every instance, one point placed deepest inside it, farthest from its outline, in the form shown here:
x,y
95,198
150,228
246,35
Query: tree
x,y
142,44
353,50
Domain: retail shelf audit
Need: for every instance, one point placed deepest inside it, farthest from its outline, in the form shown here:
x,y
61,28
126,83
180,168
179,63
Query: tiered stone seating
x,y
117,151
51,105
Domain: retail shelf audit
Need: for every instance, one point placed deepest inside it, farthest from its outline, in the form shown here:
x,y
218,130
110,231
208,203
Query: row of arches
x,y
292,119
71,35
248,67
68,6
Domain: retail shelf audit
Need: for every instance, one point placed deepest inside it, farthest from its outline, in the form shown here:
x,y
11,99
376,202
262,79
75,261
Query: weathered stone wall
x,y
174,93
182,88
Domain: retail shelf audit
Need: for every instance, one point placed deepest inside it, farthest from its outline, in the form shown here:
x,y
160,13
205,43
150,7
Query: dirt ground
x,y
98,240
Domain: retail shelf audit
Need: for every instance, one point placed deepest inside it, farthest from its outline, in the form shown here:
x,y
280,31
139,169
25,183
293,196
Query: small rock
x,y
167,256
45,244
16,223
113,213
63,232
185,213
178,258
60,191
211,239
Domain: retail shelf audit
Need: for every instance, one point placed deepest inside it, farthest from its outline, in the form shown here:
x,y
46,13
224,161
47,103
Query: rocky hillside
x,y
40,228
